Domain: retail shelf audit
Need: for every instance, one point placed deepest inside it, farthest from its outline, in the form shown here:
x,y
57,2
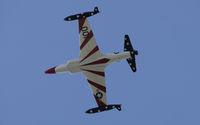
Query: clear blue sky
x,y
165,90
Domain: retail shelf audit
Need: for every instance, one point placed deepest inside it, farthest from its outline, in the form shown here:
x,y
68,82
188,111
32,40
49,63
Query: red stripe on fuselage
x,y
101,61
90,53
103,88
87,39
100,103
81,22
95,72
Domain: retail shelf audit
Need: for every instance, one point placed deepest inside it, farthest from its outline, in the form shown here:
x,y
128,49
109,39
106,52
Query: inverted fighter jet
x,y
92,62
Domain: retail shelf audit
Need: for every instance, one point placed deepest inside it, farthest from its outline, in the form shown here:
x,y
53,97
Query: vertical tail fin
x,y
96,10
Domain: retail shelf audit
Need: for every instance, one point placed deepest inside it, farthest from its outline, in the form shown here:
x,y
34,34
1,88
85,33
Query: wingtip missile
x,y
83,15
103,108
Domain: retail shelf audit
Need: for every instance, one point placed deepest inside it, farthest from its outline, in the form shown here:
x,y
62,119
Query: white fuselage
x,y
74,66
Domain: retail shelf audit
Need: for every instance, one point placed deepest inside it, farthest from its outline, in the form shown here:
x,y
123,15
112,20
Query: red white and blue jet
x,y
92,62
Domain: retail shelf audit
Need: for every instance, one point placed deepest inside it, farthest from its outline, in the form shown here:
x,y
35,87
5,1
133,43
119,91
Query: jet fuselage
x,y
75,66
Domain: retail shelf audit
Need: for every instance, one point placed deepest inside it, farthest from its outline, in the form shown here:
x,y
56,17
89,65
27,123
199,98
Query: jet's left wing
x,y
88,46
96,79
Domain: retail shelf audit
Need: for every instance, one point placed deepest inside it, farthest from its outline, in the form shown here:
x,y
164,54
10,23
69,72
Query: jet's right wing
x,y
96,79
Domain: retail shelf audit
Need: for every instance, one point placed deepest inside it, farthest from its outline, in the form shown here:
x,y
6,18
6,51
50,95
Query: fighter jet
x,y
91,62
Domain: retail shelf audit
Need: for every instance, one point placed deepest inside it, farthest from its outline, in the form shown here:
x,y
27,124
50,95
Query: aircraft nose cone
x,y
50,71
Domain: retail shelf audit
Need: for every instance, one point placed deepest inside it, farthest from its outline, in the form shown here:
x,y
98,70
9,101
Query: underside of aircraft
x,y
91,62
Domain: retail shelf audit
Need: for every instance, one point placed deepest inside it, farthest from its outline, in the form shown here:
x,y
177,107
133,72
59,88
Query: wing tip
x,y
103,108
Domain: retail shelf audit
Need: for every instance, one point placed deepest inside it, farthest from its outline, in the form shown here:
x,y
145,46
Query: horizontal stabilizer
x,y
82,15
128,47
103,108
